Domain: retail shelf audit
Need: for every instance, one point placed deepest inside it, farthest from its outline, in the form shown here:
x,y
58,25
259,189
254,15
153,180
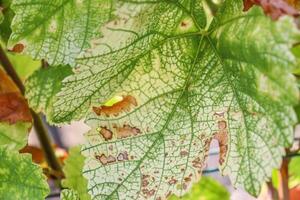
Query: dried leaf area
x,y
125,105
222,135
123,156
14,107
274,8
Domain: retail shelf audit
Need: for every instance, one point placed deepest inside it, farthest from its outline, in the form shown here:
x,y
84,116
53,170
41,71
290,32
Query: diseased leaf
x,y
74,178
57,30
14,107
183,85
20,178
68,194
43,85
207,189
274,8
14,137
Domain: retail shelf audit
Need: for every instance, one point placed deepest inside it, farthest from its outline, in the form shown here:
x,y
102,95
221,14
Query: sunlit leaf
x,y
57,30
183,82
20,178
206,189
73,172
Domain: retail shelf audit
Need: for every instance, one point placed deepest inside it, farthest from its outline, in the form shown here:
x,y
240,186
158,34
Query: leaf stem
x,y
41,131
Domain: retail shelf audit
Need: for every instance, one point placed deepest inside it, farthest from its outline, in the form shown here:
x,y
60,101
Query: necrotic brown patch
x,y
104,159
126,131
106,133
222,137
122,106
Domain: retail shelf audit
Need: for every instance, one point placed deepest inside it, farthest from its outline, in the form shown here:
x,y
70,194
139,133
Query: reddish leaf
x,y
14,107
273,8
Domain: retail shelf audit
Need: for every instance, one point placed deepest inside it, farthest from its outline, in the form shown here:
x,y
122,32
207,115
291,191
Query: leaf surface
x,y
14,137
43,85
207,189
57,30
74,178
182,83
20,178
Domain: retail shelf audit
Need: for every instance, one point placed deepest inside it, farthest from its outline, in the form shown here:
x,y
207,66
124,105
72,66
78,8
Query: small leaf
x,y
207,189
43,85
20,178
57,30
73,172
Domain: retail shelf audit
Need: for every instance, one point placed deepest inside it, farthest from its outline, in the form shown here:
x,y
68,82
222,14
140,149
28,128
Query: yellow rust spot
x,y
115,109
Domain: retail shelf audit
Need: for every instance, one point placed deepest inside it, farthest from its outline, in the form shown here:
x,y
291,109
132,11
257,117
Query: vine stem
x,y
39,127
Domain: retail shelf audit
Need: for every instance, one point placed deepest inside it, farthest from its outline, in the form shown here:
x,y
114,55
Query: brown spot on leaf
x,y
18,48
222,125
122,156
126,131
124,105
184,153
187,179
104,159
106,133
172,181
222,139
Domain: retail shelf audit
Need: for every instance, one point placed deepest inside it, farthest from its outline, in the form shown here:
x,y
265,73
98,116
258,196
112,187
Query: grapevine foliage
x,y
58,30
163,81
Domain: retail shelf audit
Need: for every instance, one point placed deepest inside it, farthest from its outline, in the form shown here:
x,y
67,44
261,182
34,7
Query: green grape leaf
x,y
43,85
73,172
57,30
182,83
207,189
20,178
14,136
24,65
68,194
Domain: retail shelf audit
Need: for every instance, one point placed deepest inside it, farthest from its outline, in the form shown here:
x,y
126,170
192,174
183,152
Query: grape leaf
x,y
43,85
207,189
183,83
68,194
73,172
24,65
20,178
14,137
57,30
